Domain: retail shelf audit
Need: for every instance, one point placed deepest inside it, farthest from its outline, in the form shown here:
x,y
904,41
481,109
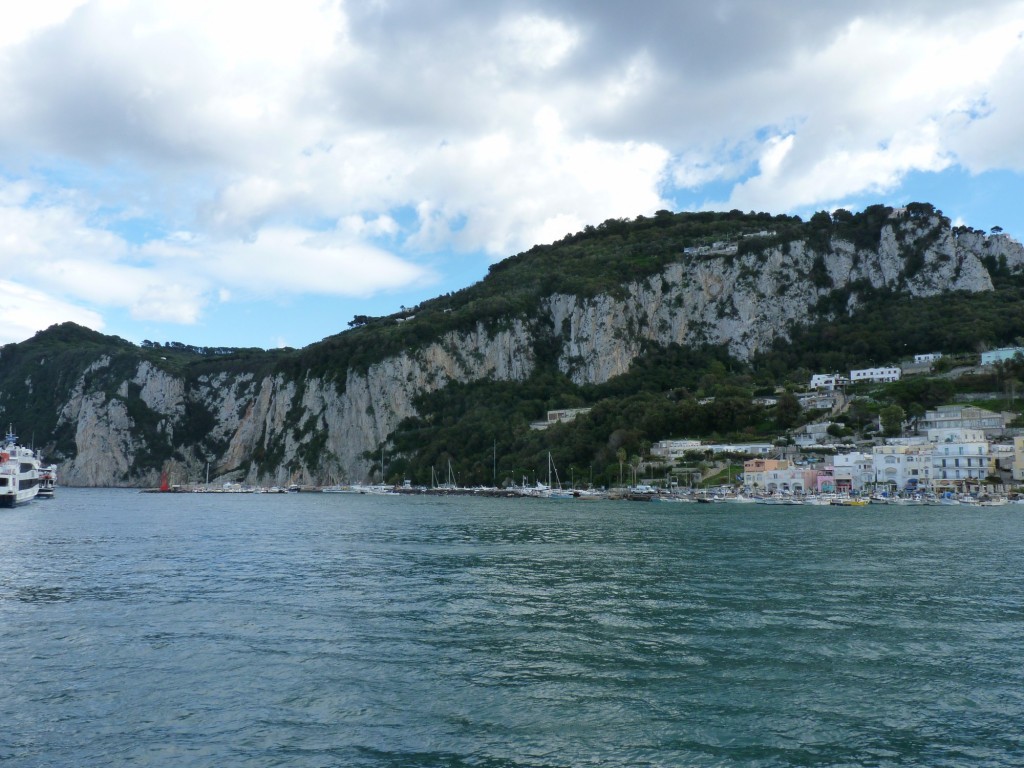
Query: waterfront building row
x,y
945,460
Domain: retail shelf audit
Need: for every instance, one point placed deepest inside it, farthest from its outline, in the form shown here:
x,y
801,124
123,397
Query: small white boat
x,y
47,481
779,500
996,501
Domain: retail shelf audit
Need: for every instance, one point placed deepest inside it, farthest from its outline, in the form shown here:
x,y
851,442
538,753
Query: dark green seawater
x,y
332,630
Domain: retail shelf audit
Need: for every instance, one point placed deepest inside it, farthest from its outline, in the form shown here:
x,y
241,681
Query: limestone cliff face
x,y
252,418
273,429
748,301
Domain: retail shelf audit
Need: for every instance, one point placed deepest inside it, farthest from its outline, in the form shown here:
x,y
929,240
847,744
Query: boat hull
x,y
14,497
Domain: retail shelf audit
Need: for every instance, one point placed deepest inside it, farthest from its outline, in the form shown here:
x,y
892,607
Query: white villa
x,y
1000,355
891,373
828,381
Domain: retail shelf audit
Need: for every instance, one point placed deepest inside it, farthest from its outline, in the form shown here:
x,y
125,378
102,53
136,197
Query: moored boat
x,y
19,472
47,481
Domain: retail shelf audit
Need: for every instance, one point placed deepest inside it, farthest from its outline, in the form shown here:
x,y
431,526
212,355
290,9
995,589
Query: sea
x,y
312,629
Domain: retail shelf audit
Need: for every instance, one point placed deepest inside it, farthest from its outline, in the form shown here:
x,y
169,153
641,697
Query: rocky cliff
x,y
125,420
748,301
313,430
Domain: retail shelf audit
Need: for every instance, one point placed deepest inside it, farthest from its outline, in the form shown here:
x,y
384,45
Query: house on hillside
x,y
812,434
828,381
965,417
674,449
559,416
1000,355
891,373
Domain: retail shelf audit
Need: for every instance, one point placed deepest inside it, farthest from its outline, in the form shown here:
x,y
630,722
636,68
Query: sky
x,y
222,173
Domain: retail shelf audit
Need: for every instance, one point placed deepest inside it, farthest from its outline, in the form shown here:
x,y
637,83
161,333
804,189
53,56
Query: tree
x,y
892,420
787,410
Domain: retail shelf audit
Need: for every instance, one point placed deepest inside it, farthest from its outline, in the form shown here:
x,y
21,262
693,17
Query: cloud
x,y
991,125
27,310
862,130
86,269
290,261
159,157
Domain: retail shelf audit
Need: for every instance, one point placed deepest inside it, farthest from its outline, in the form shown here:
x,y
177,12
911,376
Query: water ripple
x,y
317,631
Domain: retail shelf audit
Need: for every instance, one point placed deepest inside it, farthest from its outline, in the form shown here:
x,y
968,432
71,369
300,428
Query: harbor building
x,y
853,471
902,467
961,458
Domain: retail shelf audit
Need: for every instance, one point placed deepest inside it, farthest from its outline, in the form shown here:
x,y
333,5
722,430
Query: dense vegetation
x,y
668,392
482,429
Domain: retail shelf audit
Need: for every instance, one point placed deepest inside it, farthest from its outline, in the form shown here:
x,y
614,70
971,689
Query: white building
x,y
674,449
960,457
1000,355
853,471
956,417
753,449
812,434
827,381
559,416
677,449
774,476
902,467
1018,459
876,374
930,357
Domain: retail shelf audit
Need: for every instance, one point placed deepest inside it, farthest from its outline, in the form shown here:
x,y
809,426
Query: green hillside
x,y
482,428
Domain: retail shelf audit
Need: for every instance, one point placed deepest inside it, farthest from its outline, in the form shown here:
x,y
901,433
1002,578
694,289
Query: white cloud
x,y
532,41
328,147
22,20
173,280
27,310
861,130
291,261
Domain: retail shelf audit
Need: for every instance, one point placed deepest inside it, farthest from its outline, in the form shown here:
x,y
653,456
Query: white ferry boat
x,y
19,472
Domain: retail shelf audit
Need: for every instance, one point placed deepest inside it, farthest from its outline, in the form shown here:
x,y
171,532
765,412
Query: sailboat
x,y
551,491
449,484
